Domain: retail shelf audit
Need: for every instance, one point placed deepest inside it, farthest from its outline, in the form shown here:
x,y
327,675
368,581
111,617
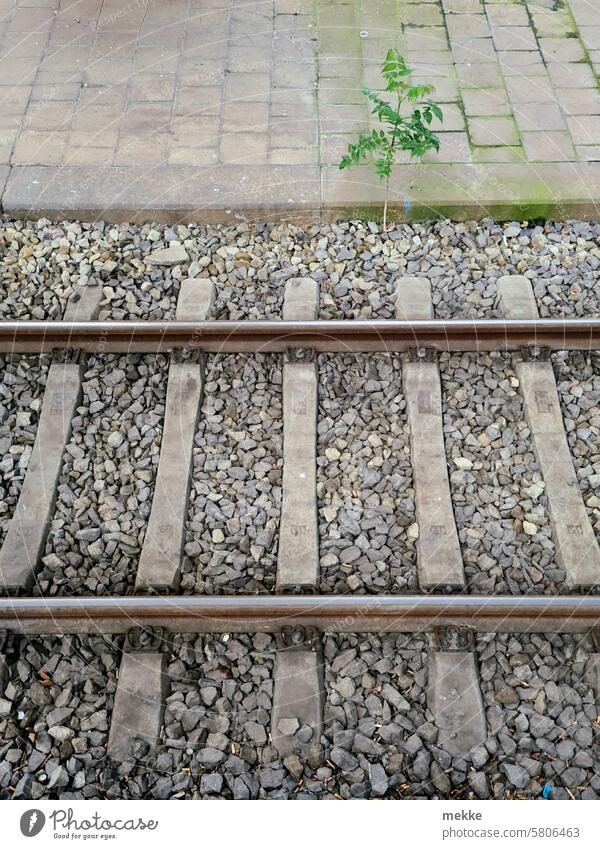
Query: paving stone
x,y
588,153
132,115
524,64
362,754
479,75
516,775
507,14
535,89
486,102
467,26
461,6
548,146
173,255
592,673
590,36
579,101
473,50
562,49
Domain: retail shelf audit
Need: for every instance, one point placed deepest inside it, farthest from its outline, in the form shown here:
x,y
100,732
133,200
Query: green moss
x,y
533,201
499,211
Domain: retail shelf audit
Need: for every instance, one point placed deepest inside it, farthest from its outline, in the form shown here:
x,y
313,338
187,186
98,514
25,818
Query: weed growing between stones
x,y
401,132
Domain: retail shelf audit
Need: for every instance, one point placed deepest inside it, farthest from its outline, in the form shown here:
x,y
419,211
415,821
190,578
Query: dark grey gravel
x,y
367,539
107,481
578,382
364,476
233,519
54,717
379,738
543,710
495,483
22,382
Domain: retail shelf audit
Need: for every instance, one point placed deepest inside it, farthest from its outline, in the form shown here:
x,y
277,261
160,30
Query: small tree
x,y
410,133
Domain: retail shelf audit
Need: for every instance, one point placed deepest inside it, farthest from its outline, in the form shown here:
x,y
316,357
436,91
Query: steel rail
x,y
248,614
333,336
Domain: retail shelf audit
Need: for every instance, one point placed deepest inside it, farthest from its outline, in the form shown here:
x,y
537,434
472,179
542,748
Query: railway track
x,y
296,613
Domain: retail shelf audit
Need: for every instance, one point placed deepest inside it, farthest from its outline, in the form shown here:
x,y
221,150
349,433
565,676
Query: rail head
x,y
349,614
333,336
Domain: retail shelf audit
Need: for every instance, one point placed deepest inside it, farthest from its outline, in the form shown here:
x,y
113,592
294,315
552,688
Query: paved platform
x,y
212,109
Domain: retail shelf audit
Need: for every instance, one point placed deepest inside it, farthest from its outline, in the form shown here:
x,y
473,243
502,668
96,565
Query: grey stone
x,y
271,778
288,726
420,765
479,784
379,779
256,732
211,783
343,759
540,726
391,695
173,255
210,757
294,766
517,776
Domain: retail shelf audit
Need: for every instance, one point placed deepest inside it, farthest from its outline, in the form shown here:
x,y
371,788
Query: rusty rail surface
x,y
331,336
351,614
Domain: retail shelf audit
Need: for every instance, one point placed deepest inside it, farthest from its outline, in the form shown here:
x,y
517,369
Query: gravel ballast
x,y
366,502
578,383
379,739
54,716
496,488
365,493
355,265
22,382
233,517
105,488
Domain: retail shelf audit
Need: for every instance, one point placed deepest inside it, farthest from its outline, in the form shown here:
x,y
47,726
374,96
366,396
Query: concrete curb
x,y
301,194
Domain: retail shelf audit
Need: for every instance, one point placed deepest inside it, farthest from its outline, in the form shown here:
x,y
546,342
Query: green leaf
x,y
400,131
383,168
416,92
436,110
394,69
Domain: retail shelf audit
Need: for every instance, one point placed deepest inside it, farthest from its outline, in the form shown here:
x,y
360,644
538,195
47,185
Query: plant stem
x,y
391,156
385,205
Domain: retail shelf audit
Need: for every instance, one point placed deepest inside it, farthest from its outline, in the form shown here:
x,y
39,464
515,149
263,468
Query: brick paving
x,y
209,109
